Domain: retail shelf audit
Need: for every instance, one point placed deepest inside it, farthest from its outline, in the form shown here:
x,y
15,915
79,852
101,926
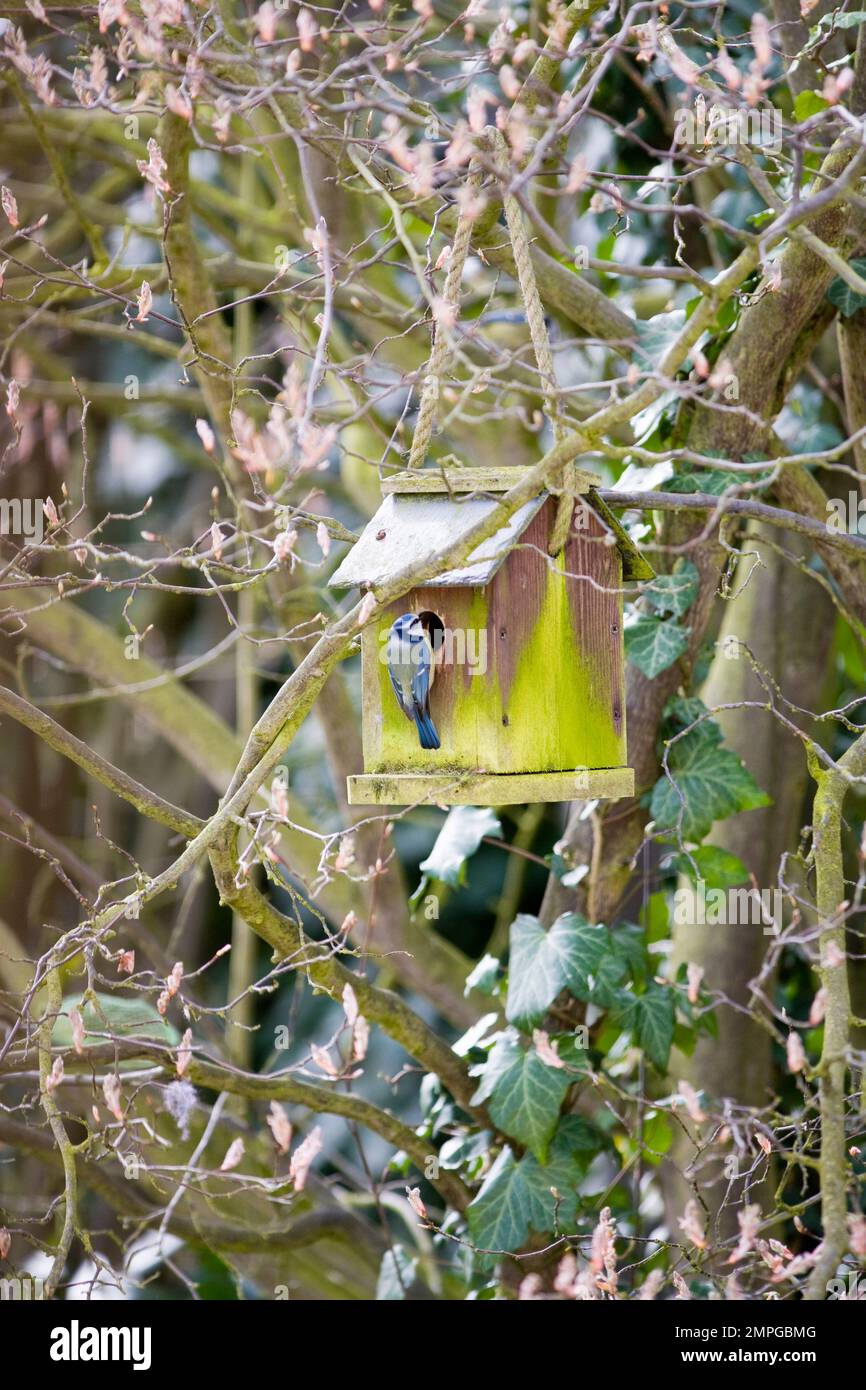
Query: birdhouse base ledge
x,y
489,789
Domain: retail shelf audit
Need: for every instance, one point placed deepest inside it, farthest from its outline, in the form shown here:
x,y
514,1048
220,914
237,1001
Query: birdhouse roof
x,y
424,512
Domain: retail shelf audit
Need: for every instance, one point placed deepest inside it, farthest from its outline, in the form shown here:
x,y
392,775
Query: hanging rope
x,y
564,483
439,351
539,335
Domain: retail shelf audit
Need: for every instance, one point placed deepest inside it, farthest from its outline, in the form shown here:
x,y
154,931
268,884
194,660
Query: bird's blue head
x,y
407,626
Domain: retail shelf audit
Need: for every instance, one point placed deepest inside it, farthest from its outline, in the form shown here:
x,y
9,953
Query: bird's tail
x,y
426,730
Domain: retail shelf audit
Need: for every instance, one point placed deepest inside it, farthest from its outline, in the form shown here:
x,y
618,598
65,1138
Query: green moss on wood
x,y
550,698
561,693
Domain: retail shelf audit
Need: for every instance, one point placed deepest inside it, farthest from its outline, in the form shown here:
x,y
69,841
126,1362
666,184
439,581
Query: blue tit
x,y
411,667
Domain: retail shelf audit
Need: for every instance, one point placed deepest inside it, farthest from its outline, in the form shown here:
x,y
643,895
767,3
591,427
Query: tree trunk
x,y
786,620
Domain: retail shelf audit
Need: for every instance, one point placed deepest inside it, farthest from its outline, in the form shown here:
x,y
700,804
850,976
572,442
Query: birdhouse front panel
x,y
503,680
527,669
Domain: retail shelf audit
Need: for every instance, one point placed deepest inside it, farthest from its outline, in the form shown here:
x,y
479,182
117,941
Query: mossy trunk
x,y
786,620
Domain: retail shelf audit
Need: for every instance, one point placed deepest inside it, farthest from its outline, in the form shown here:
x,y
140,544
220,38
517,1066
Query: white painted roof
x,y
411,528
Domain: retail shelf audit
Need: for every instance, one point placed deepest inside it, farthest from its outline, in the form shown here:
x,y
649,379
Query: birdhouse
x,y
526,660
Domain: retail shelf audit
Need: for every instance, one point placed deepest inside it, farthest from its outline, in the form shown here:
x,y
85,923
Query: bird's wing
x,y
400,673
421,678
398,689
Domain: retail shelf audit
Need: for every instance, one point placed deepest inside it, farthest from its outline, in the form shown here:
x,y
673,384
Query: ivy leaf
x,y
674,593
652,645
650,1016
475,1035
579,1136
711,480
128,1017
500,1059
718,868
516,1197
573,1147
574,876
846,299
569,875
484,976
572,1050
527,1101
591,942
681,712
466,1151
542,963
655,916
654,1012
524,1093
396,1275
623,954
629,942
815,435
604,986
654,336
459,838
499,1215
827,25
809,103
705,783
657,1136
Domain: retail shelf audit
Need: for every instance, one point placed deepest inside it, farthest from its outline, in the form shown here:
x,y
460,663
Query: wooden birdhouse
x,y
528,694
